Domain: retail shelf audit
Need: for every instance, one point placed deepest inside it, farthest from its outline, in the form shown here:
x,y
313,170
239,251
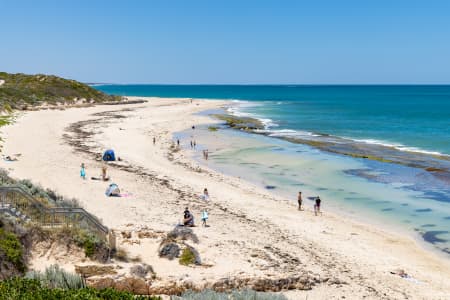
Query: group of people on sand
x,y
317,202
188,217
103,177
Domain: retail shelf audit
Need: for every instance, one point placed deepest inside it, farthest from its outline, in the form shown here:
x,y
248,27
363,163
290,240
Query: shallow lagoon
x,y
385,194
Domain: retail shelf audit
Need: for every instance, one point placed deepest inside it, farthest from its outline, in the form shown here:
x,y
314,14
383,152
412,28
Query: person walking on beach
x,y
178,143
192,145
104,177
195,144
154,140
204,217
205,195
317,206
206,154
299,199
83,171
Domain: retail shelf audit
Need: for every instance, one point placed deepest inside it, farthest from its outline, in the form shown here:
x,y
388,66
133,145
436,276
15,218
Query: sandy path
x,y
252,233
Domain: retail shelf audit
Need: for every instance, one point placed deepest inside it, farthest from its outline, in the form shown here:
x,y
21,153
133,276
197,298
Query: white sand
x,y
252,233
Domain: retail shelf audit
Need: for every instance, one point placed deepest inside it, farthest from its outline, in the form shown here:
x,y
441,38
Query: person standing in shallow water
x,y
317,206
299,199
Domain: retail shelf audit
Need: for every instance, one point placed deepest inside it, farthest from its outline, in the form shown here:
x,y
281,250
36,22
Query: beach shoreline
x,y
354,256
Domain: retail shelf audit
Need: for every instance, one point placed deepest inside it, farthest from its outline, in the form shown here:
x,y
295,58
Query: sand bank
x,y
252,234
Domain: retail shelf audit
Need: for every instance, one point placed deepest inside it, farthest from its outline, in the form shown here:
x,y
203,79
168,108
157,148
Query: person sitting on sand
x,y
317,206
83,171
10,158
299,199
204,217
188,218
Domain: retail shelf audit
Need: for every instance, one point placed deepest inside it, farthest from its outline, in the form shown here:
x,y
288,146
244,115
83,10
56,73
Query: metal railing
x,y
15,200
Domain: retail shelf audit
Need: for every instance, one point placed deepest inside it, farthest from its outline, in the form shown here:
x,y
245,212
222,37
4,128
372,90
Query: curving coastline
x,y
253,233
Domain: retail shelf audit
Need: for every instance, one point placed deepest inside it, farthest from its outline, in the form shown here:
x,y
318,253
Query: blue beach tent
x,y
109,155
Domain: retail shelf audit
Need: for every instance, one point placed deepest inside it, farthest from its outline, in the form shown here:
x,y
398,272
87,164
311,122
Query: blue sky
x,y
228,41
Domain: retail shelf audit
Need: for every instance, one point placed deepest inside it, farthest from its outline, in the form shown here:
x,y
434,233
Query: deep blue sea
x,y
409,125
408,117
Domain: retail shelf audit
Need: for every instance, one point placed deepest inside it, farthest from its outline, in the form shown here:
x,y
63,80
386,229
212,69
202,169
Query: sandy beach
x,y
253,233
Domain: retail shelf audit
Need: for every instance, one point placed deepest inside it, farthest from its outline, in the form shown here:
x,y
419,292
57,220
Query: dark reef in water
x,y
424,210
428,225
431,236
387,209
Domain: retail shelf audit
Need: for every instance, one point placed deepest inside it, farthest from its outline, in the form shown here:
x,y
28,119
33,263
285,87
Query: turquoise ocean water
x,y
412,121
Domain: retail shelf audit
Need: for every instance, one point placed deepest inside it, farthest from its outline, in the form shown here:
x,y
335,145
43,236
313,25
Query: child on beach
x,y
317,206
204,217
205,196
83,171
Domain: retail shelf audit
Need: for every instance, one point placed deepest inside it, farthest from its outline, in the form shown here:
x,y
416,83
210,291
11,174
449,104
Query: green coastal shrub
x,y
12,249
55,277
31,289
187,257
213,128
235,295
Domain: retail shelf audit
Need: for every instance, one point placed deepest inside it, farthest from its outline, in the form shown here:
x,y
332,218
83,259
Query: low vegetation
x,y
187,257
11,253
235,295
55,277
31,289
21,91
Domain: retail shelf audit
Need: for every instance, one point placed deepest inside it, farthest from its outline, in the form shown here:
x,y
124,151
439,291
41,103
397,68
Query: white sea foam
x,y
398,146
238,107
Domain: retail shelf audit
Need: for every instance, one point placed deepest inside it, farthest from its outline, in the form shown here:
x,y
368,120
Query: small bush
x,y
89,247
187,257
121,255
213,128
12,249
55,277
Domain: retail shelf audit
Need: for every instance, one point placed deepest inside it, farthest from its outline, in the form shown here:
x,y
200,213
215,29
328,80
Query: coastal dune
x,y
253,233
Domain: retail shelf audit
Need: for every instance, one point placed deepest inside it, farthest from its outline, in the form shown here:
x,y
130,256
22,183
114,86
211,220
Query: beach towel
x,y
125,195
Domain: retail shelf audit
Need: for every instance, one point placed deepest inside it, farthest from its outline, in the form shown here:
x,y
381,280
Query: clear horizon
x,y
249,43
